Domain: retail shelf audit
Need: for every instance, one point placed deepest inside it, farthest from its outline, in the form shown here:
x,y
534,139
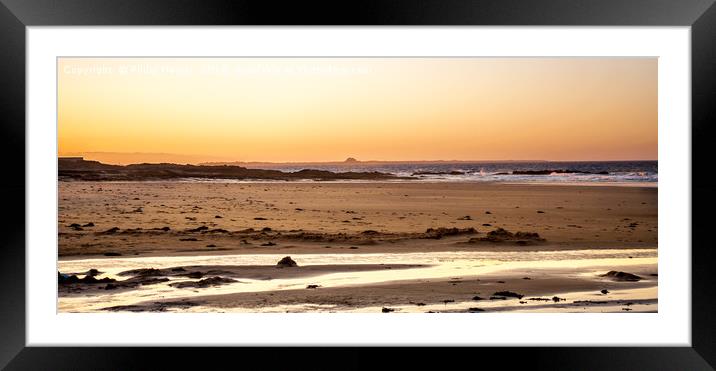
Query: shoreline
x,y
636,184
412,287
77,168
346,251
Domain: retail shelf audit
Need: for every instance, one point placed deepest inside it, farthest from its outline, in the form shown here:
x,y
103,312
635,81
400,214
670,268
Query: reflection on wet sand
x,y
411,282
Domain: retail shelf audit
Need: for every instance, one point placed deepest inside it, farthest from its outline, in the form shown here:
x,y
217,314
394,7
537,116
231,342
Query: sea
x,y
621,172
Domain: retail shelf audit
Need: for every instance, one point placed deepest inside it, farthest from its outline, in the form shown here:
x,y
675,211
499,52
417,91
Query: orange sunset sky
x,y
188,110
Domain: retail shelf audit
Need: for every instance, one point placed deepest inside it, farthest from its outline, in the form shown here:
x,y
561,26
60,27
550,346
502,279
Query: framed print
x,y
521,179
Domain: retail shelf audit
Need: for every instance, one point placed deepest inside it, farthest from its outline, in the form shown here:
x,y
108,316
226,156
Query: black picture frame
x,y
16,15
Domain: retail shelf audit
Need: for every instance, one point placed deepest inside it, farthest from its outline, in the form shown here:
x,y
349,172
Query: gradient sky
x,y
327,109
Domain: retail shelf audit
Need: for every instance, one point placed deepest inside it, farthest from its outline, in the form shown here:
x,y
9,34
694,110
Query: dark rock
x,y
466,217
500,235
527,235
454,172
112,254
151,281
90,224
498,298
158,306
621,276
207,282
218,216
312,286
211,245
198,229
508,294
266,229
438,233
557,299
474,310
142,272
556,171
387,310
188,239
286,262
260,218
590,302
500,232
477,298
605,291
112,230
93,272
268,244
64,279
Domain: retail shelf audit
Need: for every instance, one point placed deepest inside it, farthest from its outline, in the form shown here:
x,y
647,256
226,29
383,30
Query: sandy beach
x,y
170,218
365,246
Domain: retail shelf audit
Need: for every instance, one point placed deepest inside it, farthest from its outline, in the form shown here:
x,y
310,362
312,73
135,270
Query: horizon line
x,y
349,160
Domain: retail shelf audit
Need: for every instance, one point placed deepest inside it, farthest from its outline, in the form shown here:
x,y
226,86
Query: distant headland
x,y
77,168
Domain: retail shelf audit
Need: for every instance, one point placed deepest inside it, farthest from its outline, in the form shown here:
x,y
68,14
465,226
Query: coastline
x,y
77,168
644,184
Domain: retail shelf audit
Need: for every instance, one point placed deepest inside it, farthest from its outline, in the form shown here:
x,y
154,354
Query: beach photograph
x,y
357,185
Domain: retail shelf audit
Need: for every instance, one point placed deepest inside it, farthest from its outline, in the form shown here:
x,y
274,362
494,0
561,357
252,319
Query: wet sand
x,y
131,279
356,282
160,224
532,289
